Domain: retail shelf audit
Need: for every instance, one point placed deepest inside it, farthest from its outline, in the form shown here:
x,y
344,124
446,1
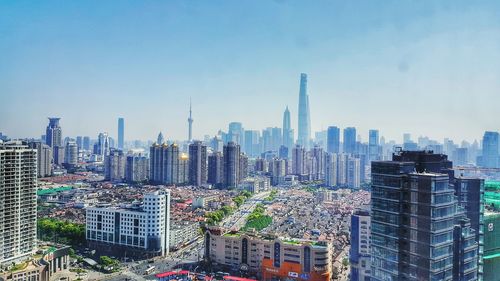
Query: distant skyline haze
x,y
429,68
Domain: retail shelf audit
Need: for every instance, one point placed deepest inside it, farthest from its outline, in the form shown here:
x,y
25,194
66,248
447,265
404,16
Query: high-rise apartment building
x,y
71,154
18,186
333,139
136,168
231,160
114,166
331,167
299,162
215,169
164,162
304,125
353,172
359,253
349,140
44,158
197,163
121,132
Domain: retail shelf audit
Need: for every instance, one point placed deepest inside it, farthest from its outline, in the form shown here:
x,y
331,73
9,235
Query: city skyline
x,y
127,65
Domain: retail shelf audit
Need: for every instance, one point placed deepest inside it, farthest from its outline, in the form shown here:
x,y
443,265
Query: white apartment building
x,y
18,184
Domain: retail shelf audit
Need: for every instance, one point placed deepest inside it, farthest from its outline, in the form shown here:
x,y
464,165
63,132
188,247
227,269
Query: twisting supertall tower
x,y
304,134
190,122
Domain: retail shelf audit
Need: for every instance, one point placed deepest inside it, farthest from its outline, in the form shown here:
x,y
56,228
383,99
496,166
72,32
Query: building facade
x,y
134,230
18,186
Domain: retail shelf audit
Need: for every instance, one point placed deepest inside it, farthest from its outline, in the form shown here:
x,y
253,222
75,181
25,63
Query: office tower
x,y
160,140
490,150
317,163
58,154
71,154
359,253
460,156
215,169
277,138
18,185
252,143
136,168
216,144
283,152
406,137
304,125
231,160
267,139
418,233
190,124
243,173
373,145
333,139
349,140
277,168
79,142
197,163
44,158
353,172
235,133
86,143
53,136
102,146
121,132
144,230
114,166
299,159
331,168
287,130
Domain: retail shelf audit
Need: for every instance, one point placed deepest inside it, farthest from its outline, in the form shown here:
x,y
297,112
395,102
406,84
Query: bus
x,y
149,270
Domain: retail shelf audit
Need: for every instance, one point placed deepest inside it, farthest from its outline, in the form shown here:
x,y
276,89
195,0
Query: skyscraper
x,y
44,158
231,160
418,232
235,133
331,168
350,140
287,130
197,163
190,124
121,129
490,150
114,166
71,154
160,140
53,136
304,133
18,185
299,159
136,168
86,143
373,145
333,140
215,169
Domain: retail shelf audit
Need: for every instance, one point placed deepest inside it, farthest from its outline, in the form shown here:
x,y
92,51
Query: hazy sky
x,y
426,67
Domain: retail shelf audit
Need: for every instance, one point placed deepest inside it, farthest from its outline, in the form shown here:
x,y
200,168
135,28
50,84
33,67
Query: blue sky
x,y
426,67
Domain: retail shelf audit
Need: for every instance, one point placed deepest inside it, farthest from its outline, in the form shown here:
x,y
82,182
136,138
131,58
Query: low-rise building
x,y
182,232
138,229
271,257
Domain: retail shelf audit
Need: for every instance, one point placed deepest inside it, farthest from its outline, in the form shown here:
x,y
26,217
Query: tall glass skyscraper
x,y
333,140
121,129
287,130
419,232
373,145
490,150
350,140
304,134
53,135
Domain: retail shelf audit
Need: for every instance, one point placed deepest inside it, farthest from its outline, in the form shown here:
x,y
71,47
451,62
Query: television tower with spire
x,y
190,123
